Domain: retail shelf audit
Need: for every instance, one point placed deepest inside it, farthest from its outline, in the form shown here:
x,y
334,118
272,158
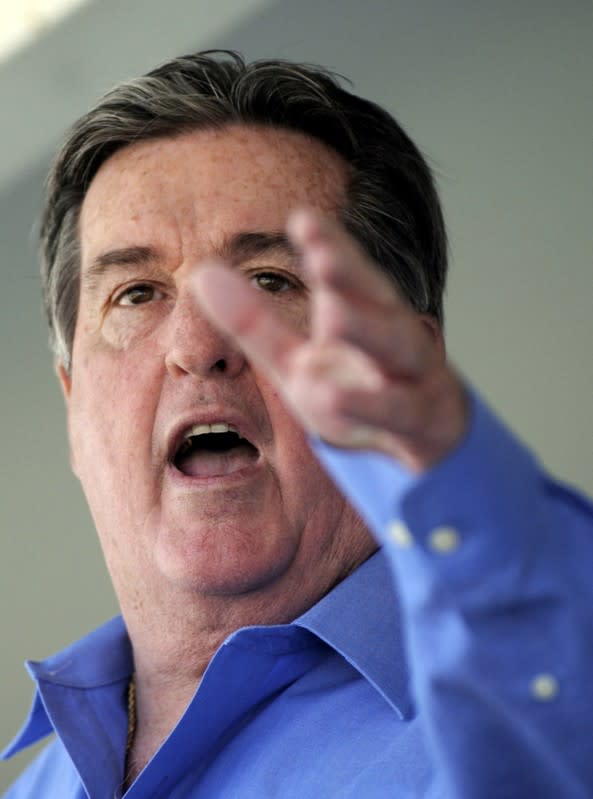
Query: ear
x,y
65,380
66,383
436,331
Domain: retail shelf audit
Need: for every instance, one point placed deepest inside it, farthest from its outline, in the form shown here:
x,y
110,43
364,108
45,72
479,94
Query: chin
x,y
223,562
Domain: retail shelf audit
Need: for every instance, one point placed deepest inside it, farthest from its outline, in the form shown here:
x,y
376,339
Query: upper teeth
x,y
202,429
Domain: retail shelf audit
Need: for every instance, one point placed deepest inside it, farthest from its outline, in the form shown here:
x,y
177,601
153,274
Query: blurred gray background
x,y
498,95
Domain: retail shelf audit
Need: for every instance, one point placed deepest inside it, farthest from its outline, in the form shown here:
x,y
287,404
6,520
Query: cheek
x,y
298,469
111,411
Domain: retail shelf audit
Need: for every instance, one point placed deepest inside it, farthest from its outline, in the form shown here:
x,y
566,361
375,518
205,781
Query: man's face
x,y
212,513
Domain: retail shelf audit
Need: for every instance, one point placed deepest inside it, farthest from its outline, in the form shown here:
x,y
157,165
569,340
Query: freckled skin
x,y
264,548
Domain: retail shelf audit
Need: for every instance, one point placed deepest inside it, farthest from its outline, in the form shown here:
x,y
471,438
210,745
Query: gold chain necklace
x,y
131,714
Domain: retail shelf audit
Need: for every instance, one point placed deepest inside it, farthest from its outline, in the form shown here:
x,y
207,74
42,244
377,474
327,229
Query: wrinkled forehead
x,y
209,180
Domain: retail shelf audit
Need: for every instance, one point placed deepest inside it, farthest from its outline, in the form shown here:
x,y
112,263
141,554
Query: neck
x,y
145,738
175,635
170,658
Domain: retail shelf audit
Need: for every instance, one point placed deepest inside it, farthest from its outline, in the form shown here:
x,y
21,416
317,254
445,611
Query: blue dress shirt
x,y
469,680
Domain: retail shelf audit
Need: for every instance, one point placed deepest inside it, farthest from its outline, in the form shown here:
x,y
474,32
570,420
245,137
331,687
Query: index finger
x,y
241,312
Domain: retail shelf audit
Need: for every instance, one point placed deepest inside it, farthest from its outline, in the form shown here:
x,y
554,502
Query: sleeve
x,y
492,561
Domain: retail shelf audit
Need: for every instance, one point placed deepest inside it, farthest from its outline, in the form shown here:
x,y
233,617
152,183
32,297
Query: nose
x,y
196,347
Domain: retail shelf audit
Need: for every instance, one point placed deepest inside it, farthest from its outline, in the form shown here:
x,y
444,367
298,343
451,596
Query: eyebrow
x,y
124,256
247,245
239,247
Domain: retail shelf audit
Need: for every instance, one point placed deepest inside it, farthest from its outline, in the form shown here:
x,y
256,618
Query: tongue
x,y
202,463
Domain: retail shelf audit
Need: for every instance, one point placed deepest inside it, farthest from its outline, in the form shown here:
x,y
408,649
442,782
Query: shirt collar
x,y
100,658
359,619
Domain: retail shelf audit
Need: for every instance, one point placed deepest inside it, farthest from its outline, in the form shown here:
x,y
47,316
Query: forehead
x,y
204,184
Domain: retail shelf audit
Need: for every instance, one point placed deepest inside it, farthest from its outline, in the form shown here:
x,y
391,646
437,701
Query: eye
x,y
138,294
273,282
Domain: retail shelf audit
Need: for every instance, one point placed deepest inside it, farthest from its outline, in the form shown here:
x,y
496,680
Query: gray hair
x,y
392,206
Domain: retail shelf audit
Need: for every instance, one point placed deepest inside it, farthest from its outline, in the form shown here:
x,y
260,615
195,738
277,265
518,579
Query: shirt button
x,y
444,540
544,687
400,535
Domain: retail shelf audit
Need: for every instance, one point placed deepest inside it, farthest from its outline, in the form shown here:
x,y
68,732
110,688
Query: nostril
x,y
221,365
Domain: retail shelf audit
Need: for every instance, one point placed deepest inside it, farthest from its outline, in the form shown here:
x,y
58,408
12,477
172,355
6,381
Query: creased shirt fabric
x,y
454,663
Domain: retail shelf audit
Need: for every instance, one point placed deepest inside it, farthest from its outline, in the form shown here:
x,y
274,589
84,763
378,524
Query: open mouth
x,y
213,450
